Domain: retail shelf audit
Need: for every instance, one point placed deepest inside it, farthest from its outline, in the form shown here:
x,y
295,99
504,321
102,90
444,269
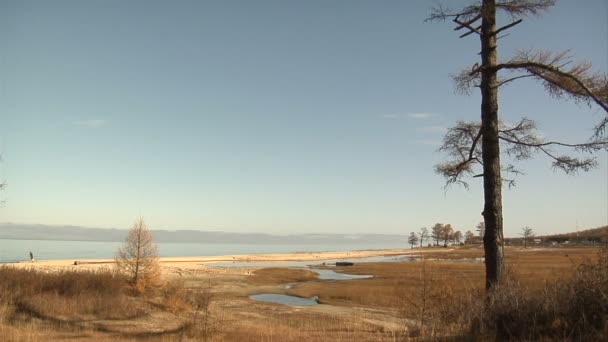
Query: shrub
x,y
138,258
574,309
66,294
200,323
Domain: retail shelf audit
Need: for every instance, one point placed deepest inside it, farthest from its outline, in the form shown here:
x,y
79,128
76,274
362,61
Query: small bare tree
x,y
412,239
469,237
138,257
472,144
481,229
457,236
423,235
201,324
446,234
526,233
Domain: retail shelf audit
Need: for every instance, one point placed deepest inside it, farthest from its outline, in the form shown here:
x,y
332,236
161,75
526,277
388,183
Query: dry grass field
x,y
414,300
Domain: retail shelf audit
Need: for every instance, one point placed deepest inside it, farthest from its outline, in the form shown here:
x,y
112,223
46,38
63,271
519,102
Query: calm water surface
x,y
18,250
284,299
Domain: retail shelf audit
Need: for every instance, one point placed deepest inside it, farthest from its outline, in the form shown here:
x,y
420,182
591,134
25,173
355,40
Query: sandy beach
x,y
180,265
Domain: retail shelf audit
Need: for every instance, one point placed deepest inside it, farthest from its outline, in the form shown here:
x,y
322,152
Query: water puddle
x,y
332,275
284,299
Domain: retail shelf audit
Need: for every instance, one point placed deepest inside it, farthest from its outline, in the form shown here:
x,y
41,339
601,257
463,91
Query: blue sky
x,y
270,116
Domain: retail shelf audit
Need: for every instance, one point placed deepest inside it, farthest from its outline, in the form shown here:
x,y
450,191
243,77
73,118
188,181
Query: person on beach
x,y
31,256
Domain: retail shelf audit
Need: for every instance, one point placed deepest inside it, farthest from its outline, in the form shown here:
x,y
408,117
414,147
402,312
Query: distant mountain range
x,y
75,233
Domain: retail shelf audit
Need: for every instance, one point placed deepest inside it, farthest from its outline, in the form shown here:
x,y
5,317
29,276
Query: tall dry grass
x,y
99,305
572,309
280,275
285,326
65,295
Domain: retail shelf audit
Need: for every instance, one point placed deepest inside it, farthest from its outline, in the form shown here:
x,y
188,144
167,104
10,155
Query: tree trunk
x,y
137,258
492,184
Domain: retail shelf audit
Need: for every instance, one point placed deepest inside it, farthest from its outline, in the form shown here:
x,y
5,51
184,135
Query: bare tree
x,y
446,234
423,235
478,143
481,229
436,233
469,237
138,257
526,233
457,236
412,239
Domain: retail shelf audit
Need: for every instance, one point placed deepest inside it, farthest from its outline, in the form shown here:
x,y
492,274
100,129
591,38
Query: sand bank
x,y
200,262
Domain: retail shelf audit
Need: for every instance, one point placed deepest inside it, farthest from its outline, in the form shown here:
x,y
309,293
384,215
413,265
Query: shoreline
x,y
190,262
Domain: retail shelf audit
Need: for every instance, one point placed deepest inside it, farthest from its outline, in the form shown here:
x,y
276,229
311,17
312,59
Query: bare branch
x,y
514,8
475,30
467,24
503,82
576,82
521,141
522,8
506,27
467,79
462,143
442,13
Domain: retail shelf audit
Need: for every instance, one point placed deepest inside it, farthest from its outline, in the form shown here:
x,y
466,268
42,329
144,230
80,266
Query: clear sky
x,y
270,116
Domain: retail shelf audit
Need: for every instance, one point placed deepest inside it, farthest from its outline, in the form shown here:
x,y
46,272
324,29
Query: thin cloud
x,y
420,116
91,123
415,116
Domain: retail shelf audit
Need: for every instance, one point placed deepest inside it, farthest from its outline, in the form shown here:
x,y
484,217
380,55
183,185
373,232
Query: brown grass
x,y
380,291
97,305
277,323
572,308
36,306
278,276
66,295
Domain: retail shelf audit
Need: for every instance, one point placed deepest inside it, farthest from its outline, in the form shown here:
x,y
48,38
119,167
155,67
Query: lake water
x,y
18,250
284,299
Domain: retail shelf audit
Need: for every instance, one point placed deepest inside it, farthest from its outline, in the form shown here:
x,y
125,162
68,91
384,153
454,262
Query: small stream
x,y
284,299
323,274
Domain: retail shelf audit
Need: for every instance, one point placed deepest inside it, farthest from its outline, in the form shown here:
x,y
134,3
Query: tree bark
x,y
492,184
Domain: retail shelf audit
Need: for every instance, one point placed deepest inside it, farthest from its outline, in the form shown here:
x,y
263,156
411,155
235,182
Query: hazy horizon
x,y
277,117
249,232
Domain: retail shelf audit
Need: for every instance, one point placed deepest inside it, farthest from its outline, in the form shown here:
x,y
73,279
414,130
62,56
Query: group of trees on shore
x,y
444,234
439,234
